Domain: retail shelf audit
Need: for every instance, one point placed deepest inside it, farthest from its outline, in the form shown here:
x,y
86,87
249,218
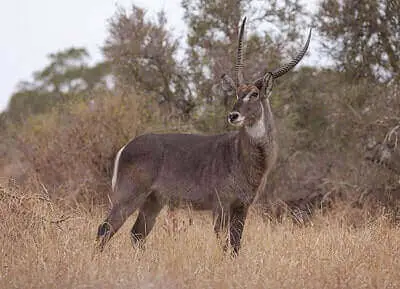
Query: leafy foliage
x,y
143,56
363,39
328,120
212,42
67,77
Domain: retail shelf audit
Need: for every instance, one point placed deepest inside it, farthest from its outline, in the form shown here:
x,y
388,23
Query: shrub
x,y
71,149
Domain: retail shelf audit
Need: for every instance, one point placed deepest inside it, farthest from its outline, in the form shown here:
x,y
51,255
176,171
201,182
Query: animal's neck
x,y
262,132
258,148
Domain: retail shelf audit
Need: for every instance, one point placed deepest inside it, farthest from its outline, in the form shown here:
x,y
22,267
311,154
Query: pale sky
x,y
31,29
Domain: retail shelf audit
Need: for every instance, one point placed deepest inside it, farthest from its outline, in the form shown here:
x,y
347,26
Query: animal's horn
x,y
239,59
288,66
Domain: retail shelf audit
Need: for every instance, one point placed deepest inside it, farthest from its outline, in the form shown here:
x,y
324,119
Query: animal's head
x,y
248,107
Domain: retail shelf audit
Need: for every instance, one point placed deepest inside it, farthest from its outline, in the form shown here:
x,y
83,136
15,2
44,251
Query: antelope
x,y
222,173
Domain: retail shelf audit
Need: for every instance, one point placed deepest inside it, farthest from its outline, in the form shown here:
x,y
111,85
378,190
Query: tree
x,y
212,42
143,57
363,38
3,121
67,76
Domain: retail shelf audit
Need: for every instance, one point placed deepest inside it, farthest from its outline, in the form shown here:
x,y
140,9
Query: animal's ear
x,y
265,84
226,86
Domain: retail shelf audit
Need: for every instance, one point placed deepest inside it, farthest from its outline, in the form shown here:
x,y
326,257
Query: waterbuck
x,y
222,173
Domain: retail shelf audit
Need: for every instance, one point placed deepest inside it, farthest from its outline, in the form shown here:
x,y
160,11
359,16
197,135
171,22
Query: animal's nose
x,y
233,116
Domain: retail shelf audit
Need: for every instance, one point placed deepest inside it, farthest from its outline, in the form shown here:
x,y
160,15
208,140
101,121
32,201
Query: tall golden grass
x,y
48,226
44,244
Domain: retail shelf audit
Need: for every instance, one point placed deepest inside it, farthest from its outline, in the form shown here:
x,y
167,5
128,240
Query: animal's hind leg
x,y
115,219
146,218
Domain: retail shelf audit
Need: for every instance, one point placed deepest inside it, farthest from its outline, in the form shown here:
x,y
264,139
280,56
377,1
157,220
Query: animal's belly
x,y
183,190
200,193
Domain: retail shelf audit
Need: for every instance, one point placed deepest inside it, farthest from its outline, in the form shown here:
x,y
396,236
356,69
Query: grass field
x,y
46,246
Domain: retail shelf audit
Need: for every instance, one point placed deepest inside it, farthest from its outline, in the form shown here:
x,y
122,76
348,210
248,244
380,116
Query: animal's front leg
x,y
238,214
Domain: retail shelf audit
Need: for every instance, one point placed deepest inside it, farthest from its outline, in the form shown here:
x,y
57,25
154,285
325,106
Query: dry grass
x,y
46,246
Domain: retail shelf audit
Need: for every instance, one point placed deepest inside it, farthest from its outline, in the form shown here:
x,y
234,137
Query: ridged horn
x,y
239,59
288,66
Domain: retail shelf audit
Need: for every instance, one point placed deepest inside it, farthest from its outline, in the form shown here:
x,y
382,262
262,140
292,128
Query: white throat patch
x,y
258,129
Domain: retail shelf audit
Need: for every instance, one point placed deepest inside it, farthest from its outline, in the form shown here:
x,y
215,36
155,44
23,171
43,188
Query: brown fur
x,y
221,173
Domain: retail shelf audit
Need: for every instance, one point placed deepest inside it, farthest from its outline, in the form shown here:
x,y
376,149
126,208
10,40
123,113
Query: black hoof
x,y
103,230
